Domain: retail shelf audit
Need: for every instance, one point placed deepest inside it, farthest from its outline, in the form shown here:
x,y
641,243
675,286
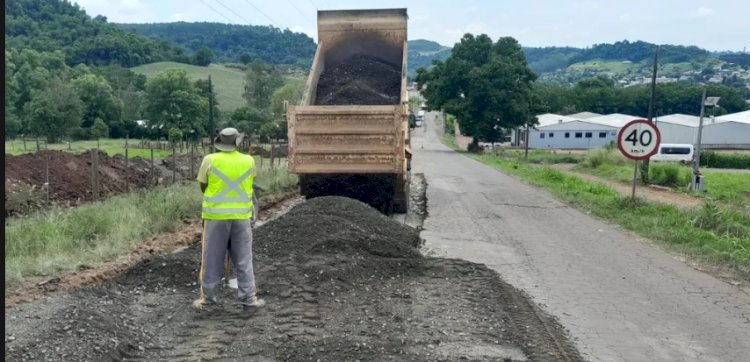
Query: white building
x,y
727,131
584,115
590,131
576,134
678,128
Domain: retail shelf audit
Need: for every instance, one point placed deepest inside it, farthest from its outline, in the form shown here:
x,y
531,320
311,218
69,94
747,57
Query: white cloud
x,y
701,12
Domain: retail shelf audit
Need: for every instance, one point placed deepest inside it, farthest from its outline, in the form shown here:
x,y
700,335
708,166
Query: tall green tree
x,y
98,100
261,80
203,57
54,111
173,101
291,93
487,85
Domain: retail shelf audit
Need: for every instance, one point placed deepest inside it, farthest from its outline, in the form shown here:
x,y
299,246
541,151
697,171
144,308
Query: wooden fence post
x,y
153,170
95,174
46,173
271,163
174,163
24,143
37,145
127,169
192,162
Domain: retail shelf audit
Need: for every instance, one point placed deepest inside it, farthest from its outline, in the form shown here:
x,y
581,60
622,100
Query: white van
x,y
675,152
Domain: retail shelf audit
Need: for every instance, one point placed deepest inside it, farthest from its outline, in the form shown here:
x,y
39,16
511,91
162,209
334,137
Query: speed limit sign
x,y
639,139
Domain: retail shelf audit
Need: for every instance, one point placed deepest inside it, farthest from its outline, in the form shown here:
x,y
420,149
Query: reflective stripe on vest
x,y
228,195
231,185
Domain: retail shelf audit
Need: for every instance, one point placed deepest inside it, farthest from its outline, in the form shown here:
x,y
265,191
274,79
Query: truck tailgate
x,y
346,139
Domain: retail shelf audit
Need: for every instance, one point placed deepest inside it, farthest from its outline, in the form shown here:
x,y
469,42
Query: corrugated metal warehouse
x,y
728,131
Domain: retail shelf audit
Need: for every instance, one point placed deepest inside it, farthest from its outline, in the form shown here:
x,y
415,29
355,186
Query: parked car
x,y
675,152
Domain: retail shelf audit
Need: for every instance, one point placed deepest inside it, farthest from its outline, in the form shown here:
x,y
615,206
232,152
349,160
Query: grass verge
x,y
716,234
62,240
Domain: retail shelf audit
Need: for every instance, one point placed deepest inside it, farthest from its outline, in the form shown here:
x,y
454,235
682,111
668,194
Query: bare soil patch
x,y
70,177
353,289
652,193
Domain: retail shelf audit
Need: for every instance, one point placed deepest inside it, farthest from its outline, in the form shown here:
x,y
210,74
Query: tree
x,y
98,100
52,112
173,101
261,81
486,85
99,129
203,57
249,120
291,92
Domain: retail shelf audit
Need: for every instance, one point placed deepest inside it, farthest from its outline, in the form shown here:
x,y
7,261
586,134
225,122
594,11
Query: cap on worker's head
x,y
228,140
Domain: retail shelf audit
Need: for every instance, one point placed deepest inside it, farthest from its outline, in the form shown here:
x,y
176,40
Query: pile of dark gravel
x,y
336,225
360,80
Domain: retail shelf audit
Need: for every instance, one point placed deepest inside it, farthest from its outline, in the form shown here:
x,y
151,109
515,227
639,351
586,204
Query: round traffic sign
x,y
639,139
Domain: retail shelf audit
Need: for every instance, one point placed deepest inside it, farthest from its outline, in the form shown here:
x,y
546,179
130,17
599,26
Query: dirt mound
x,y
360,80
333,225
342,282
70,174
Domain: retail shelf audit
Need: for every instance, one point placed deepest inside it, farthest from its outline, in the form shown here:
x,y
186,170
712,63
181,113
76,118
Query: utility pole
x,y
645,164
697,183
211,129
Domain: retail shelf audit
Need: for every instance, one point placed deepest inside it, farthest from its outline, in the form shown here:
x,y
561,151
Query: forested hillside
x,y
549,59
234,43
49,25
423,52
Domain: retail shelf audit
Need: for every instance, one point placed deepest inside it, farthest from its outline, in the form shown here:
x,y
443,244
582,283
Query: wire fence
x,y
53,176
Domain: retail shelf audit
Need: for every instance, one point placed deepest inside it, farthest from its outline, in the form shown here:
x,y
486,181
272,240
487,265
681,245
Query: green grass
x,y
720,234
614,66
60,240
110,146
229,83
730,187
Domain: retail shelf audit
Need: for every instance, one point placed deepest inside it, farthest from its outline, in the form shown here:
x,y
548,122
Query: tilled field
x,y
342,282
69,177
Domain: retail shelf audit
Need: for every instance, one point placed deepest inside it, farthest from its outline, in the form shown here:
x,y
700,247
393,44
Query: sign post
x,y
638,140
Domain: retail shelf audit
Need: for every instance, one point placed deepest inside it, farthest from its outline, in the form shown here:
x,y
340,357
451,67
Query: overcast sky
x,y
713,25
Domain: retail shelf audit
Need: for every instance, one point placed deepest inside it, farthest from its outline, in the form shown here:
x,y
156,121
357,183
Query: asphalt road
x,y
620,297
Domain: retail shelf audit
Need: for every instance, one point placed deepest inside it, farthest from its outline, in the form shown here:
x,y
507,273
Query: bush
x,y
669,175
603,156
724,160
175,135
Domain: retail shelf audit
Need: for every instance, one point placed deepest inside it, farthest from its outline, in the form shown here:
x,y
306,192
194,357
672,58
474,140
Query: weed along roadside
x,y
61,240
716,234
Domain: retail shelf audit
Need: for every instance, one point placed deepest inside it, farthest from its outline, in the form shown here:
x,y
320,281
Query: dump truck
x,y
349,136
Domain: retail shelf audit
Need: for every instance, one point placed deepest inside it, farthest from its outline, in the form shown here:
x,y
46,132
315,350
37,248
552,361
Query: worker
x,y
226,180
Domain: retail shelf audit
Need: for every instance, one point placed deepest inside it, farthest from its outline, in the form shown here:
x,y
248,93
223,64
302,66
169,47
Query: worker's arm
x,y
203,174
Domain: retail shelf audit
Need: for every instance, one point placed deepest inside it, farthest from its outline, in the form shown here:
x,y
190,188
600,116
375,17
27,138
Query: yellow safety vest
x,y
229,194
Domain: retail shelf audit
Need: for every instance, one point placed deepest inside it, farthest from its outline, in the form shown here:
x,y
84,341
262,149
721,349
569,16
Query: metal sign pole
x,y
635,176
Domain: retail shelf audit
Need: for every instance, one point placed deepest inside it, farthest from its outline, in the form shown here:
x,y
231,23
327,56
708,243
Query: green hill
x,y
228,83
50,25
232,43
423,52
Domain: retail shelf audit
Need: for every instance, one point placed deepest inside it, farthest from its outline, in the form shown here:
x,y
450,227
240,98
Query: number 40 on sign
x,y
639,139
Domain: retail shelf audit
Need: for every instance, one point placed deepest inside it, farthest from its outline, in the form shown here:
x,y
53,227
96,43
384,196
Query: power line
x,y
233,12
262,13
214,10
299,11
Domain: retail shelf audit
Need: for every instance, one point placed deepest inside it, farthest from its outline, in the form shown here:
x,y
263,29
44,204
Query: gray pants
x,y
216,236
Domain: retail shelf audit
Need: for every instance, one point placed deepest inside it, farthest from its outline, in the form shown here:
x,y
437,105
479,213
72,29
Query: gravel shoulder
x,y
342,282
